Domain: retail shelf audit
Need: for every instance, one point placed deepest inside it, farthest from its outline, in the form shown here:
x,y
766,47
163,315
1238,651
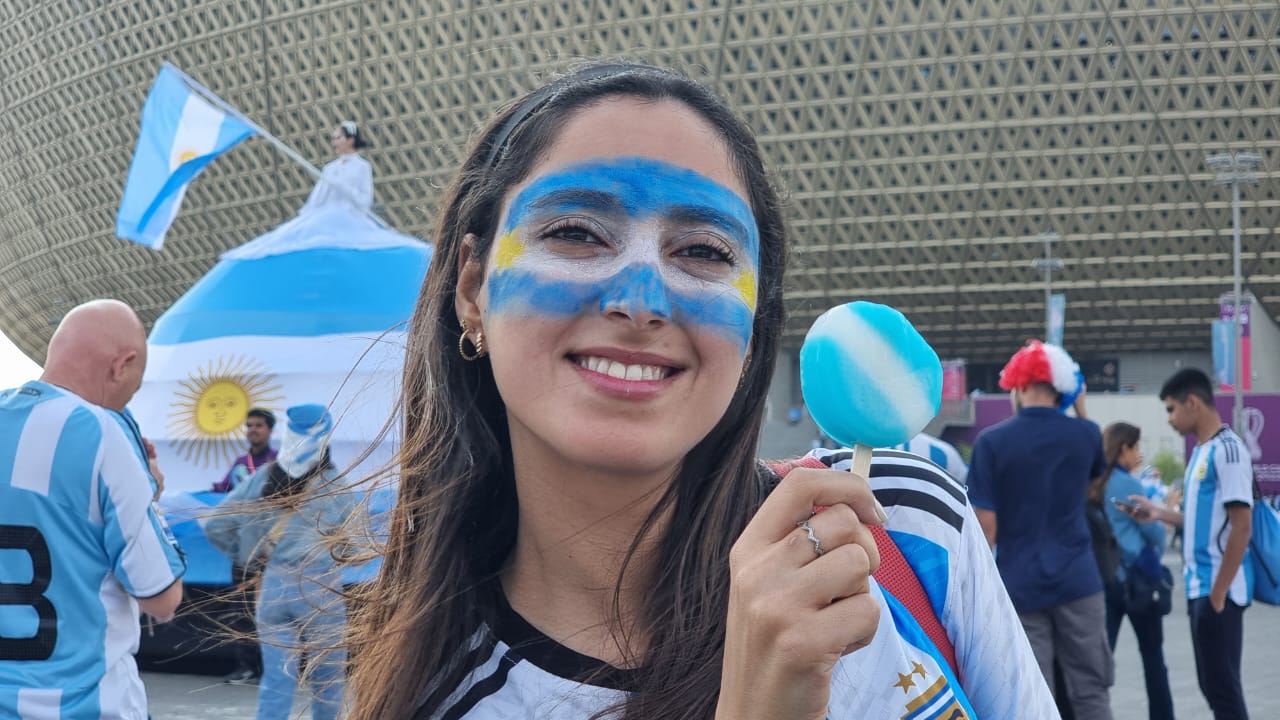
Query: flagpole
x,y
292,154
208,94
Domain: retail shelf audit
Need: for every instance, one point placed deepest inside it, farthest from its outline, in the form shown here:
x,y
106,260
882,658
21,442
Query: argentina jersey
x,y
517,672
1219,472
79,540
932,523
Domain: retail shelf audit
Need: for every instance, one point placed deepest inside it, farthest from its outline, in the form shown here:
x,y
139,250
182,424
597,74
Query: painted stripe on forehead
x,y
520,291
639,187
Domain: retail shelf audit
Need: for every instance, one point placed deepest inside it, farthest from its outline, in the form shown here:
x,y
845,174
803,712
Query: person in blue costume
x,y
1138,541
288,519
583,528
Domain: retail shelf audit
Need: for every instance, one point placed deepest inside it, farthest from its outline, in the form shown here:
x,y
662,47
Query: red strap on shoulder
x,y
894,575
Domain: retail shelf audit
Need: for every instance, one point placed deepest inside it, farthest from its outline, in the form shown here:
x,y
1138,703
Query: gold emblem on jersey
x,y
935,700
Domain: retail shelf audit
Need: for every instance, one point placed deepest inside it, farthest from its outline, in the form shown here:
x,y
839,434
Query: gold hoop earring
x,y
477,344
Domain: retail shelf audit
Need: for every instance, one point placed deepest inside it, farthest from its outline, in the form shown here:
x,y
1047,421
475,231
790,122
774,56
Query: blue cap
x,y
304,418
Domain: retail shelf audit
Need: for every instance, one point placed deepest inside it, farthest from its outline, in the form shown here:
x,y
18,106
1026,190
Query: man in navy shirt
x,y
1028,479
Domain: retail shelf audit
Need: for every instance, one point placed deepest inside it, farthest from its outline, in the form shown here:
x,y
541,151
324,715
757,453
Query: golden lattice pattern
x,y
923,144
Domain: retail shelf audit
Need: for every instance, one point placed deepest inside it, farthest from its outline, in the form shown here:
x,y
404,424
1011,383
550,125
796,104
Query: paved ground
x,y
196,697
1260,667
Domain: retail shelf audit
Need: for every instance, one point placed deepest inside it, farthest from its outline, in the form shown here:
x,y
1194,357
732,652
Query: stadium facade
x,y
924,146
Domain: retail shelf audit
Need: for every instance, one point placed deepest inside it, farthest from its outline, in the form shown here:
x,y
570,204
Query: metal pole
x,y
1237,324
1234,169
230,109
1048,289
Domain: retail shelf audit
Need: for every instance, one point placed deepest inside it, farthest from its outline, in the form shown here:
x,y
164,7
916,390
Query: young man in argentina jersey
x,y
83,546
1217,523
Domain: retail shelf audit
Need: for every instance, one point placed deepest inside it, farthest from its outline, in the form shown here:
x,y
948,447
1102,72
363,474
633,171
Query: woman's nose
x,y
639,293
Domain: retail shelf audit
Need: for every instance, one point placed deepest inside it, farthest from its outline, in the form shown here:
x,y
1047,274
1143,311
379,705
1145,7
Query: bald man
x,y
84,546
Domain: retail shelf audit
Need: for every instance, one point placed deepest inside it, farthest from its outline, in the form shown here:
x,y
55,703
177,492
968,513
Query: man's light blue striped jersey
x,y
941,452
79,540
1220,471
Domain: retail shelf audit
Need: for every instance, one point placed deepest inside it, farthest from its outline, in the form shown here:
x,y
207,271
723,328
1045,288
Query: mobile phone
x,y
1124,505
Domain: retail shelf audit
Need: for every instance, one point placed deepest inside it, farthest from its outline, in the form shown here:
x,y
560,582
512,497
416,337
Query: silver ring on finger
x,y
813,537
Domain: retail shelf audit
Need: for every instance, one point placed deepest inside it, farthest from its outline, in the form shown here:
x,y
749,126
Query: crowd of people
x,y
583,528
1080,544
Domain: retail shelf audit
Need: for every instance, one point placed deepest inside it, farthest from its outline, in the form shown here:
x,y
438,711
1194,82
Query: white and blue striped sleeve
x,y
1234,469
143,553
997,666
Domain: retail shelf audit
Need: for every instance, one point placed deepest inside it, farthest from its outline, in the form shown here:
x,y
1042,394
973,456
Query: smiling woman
x,y
583,529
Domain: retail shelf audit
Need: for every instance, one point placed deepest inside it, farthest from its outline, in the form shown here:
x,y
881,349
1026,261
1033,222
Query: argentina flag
x,y
313,311
181,133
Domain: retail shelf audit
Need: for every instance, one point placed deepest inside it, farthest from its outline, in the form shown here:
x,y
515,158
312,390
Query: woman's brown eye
x,y
573,235
703,251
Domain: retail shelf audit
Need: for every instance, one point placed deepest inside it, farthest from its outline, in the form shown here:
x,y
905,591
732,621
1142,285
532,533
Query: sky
x,y
15,367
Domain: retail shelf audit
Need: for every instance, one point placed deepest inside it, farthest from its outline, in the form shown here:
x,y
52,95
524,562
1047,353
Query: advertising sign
x,y
1057,318
1226,316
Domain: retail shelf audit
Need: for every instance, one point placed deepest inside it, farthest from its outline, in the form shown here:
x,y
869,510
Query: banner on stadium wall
x,y
1260,431
1057,318
1224,346
954,381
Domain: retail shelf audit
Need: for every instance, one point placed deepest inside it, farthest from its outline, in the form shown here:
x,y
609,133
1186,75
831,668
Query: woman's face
x,y
341,143
1131,457
618,298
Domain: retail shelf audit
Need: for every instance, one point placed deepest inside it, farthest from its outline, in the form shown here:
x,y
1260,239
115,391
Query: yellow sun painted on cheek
x,y
746,286
508,251
210,407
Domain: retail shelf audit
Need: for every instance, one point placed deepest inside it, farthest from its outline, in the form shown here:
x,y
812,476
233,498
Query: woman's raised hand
x,y
799,596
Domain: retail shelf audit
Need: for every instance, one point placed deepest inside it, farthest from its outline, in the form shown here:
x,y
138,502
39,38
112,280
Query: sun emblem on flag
x,y
212,404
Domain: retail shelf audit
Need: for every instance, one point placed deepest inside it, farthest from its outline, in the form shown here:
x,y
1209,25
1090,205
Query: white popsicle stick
x,y
861,465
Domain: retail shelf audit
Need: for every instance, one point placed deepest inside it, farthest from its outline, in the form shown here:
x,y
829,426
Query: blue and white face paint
x,y
635,235
305,436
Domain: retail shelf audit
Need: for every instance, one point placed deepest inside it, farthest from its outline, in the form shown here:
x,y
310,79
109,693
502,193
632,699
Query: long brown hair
x,y
1115,438
455,520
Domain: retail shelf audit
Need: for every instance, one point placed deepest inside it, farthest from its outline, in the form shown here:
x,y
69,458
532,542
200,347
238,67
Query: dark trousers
x,y
1217,639
1071,638
1150,632
240,621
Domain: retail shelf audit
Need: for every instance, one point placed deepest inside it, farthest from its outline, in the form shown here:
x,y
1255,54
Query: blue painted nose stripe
x,y
637,289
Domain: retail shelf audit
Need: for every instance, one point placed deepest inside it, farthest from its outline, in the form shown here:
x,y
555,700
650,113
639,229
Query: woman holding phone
x,y
1138,541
